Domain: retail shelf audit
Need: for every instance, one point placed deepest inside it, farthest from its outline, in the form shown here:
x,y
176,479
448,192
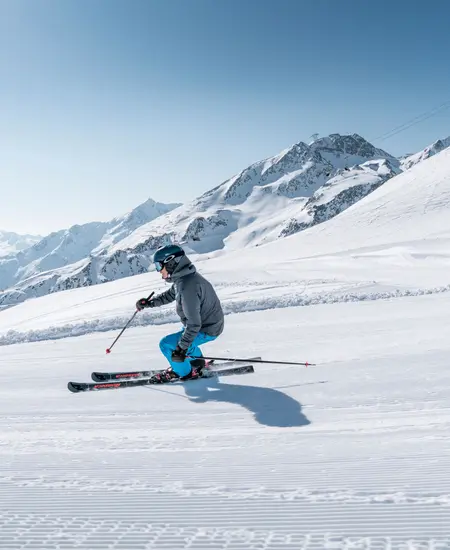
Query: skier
x,y
198,307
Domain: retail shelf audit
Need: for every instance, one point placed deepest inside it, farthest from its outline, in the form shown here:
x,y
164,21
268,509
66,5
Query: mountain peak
x,y
352,145
436,147
440,144
150,207
142,214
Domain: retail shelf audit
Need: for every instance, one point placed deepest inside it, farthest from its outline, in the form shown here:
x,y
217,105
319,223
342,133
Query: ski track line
x,y
86,534
230,306
145,501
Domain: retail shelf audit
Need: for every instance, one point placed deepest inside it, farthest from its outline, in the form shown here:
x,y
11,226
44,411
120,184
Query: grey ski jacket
x,y
197,303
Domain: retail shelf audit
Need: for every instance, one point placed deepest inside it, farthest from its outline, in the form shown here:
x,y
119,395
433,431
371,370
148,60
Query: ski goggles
x,y
159,265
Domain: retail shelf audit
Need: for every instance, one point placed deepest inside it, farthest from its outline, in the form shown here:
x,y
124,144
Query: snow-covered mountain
x,y
304,185
257,205
39,267
409,161
402,227
340,192
11,243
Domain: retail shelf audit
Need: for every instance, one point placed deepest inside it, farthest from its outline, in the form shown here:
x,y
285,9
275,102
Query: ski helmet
x,y
168,256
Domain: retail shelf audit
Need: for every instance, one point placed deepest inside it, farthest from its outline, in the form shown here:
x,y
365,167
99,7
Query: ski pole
x,y
108,350
306,364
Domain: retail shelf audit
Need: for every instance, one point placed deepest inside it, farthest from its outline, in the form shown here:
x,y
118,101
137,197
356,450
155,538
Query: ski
x,y
76,387
135,375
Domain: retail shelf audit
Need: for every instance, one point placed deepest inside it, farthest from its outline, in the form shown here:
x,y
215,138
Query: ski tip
x,y
73,387
98,377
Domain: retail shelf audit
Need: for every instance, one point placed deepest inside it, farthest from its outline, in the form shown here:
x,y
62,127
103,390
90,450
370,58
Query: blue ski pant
x,y
169,343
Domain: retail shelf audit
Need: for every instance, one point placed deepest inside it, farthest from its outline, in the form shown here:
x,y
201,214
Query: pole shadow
x,y
270,407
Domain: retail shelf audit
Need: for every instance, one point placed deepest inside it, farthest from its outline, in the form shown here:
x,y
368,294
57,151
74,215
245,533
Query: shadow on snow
x,y
269,406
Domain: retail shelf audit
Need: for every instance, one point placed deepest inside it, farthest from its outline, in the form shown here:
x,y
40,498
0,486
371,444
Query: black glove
x,y
179,355
142,303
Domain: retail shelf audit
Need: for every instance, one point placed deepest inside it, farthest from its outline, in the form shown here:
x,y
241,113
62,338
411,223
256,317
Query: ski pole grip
x,y
148,298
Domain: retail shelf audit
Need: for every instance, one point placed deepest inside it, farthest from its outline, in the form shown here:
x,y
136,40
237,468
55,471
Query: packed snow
x,y
351,453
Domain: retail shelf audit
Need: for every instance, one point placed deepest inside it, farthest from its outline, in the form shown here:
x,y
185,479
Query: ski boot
x,y
164,377
169,375
199,369
196,372
202,367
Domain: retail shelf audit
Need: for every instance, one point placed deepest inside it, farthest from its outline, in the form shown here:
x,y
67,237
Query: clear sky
x,y
105,103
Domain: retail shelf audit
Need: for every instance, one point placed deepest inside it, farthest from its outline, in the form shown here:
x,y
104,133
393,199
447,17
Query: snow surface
x,y
352,453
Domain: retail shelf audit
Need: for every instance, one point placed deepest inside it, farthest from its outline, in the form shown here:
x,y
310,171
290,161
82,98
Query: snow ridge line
x,y
347,496
83,532
230,306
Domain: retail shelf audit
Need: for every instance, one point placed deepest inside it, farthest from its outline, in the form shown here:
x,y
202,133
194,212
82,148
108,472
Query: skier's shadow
x,y
270,407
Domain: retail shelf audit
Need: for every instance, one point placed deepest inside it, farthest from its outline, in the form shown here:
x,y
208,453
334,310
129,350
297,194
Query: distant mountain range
x,y
11,243
302,186
45,263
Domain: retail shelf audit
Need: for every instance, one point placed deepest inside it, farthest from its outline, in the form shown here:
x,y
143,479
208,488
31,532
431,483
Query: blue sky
x,y
104,103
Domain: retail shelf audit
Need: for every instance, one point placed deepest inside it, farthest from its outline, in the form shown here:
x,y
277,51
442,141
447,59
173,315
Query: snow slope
x,y
401,223
339,193
409,161
350,454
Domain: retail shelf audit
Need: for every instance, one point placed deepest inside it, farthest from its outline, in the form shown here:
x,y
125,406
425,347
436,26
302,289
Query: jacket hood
x,y
184,267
